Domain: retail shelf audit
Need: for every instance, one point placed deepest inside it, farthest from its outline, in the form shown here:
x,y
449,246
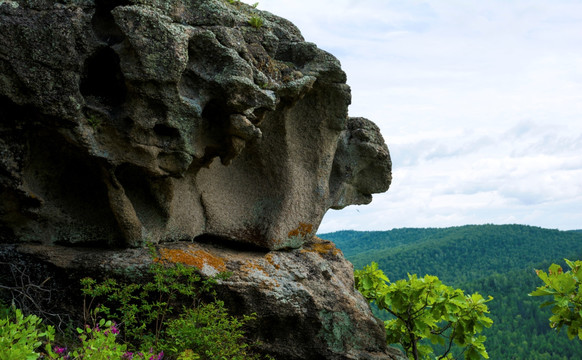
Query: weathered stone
x,y
304,299
130,121
362,165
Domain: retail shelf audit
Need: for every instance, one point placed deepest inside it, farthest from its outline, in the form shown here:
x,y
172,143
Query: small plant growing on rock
x,y
93,121
256,21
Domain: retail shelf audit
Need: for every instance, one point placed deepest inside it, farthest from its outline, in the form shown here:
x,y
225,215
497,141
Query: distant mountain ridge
x,y
475,250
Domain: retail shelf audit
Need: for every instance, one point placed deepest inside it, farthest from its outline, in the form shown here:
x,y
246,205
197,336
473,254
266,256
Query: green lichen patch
x,y
337,330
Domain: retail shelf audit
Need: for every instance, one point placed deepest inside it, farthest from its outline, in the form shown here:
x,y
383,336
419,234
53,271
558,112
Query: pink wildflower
x,y
114,329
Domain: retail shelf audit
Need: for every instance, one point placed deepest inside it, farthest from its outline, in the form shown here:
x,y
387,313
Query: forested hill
x,y
457,254
495,260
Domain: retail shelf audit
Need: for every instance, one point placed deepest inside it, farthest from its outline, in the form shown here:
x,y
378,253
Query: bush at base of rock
x,y
204,331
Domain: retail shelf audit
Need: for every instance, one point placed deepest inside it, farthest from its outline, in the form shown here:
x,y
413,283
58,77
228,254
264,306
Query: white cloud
x,y
480,103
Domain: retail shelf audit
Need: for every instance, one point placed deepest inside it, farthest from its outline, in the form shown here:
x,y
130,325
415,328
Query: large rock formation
x,y
132,121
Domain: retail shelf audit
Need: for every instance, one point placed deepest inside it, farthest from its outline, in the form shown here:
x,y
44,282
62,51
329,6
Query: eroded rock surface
x,y
132,121
147,120
304,299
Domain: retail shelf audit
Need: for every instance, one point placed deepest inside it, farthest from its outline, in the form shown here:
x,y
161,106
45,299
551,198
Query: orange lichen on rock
x,y
269,258
197,258
302,230
253,269
252,266
323,248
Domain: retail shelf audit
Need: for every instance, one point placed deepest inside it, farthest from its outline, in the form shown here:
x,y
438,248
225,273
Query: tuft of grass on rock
x,y
256,21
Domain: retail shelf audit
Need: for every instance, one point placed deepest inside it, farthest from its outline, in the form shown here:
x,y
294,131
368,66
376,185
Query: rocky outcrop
x,y
184,124
304,299
147,120
361,155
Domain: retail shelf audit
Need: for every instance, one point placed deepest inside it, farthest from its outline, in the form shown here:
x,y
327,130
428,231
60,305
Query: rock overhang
x,y
133,121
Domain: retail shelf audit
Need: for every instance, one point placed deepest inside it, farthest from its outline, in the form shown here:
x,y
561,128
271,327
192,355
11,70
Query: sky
x,y
479,102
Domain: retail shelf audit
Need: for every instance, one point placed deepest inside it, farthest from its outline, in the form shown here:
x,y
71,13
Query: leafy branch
x,y
564,287
425,308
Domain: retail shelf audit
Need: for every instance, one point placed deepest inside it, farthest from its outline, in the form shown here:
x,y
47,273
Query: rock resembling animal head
x,y
136,121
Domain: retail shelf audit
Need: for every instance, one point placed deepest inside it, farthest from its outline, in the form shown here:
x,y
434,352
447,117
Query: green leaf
x,y
542,291
555,269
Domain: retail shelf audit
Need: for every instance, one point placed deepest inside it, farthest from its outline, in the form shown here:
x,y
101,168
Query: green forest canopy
x,y
496,260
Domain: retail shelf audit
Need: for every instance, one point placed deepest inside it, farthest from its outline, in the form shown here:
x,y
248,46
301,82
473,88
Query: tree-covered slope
x,y
496,260
520,328
457,254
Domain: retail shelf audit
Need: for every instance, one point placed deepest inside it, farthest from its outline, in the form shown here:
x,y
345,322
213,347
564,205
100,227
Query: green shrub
x,y
98,343
149,314
209,332
142,309
21,337
24,338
